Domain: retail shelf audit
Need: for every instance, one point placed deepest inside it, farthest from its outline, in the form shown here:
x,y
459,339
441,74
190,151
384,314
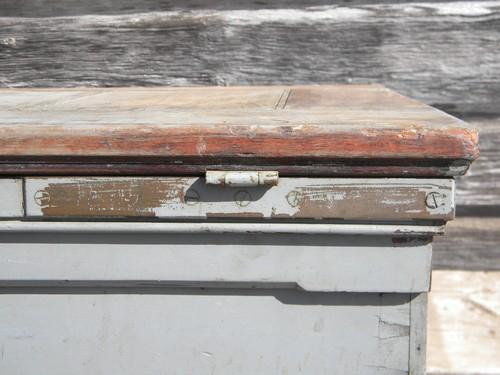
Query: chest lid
x,y
340,130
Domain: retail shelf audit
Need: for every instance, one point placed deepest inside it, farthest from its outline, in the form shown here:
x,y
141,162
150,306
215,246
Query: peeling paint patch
x,y
108,197
188,197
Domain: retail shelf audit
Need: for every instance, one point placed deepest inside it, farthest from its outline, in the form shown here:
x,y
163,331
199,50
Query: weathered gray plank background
x,y
443,53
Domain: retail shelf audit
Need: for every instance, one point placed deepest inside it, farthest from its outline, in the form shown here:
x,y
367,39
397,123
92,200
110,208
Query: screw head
x,y
191,197
434,200
242,198
294,198
42,198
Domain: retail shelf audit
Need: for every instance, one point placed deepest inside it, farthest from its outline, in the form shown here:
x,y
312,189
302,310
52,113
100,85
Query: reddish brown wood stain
x,y
413,132
220,141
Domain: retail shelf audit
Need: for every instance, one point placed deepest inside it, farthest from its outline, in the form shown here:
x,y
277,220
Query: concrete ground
x,y
464,323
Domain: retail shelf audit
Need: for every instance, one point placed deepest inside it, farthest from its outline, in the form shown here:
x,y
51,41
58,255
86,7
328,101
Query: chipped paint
x,y
361,201
241,178
108,197
297,198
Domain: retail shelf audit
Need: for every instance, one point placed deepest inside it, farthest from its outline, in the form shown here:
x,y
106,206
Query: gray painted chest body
x,y
239,234
271,294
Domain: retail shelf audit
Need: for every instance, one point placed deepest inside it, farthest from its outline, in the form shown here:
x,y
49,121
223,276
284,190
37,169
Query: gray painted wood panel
x,y
309,262
399,232
11,204
442,53
418,334
179,332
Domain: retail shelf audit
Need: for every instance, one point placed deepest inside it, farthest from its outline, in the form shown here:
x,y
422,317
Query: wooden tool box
x,y
235,230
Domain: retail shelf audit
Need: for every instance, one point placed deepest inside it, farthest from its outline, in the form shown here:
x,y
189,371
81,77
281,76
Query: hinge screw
x,y
42,198
191,197
242,198
434,200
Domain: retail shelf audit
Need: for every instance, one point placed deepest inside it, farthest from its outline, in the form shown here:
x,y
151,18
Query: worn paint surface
x,y
11,198
361,199
109,197
242,178
214,331
103,287
319,262
365,125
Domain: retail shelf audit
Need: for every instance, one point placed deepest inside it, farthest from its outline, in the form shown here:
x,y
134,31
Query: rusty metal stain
x,y
136,197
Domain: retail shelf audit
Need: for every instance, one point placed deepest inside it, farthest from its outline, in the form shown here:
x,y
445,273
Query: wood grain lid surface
x,y
298,130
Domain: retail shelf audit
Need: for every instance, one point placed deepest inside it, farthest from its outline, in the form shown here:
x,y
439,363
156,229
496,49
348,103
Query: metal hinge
x,y
242,178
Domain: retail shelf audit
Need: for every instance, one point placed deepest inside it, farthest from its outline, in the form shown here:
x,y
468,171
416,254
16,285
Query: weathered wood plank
x,y
292,198
468,244
480,188
47,8
442,53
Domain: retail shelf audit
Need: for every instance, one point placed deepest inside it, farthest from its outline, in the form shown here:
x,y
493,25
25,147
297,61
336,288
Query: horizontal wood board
x,y
469,243
192,198
350,263
366,126
478,192
443,53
